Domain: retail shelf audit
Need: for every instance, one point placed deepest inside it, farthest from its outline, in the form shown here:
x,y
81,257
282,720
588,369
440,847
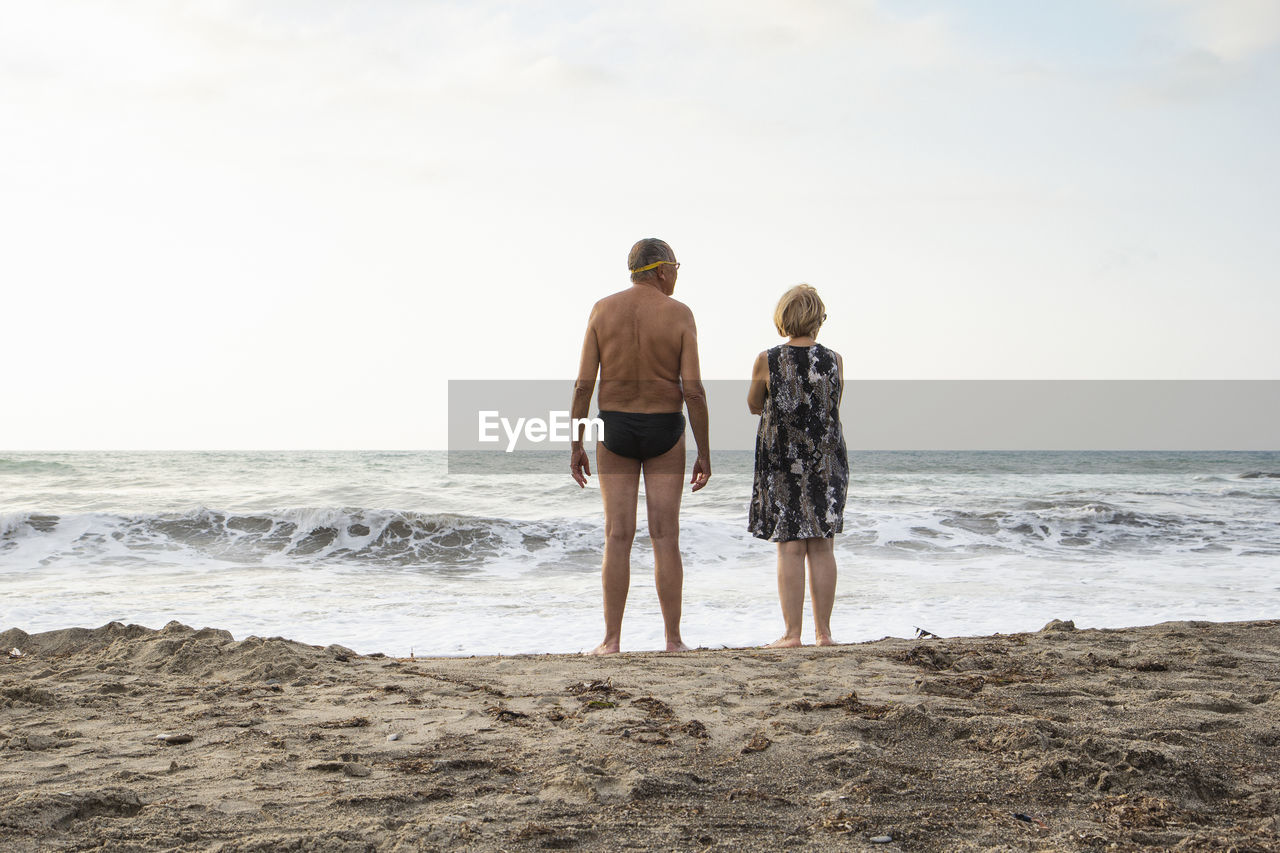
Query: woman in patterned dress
x,y
802,470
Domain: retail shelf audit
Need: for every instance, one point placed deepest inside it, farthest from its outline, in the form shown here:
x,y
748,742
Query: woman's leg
x,y
822,585
619,479
791,591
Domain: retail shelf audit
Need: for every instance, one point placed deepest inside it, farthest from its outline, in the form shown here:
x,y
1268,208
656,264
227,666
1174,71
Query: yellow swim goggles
x,y
655,265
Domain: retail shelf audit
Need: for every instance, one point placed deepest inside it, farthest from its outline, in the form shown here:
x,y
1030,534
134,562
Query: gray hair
x,y
648,251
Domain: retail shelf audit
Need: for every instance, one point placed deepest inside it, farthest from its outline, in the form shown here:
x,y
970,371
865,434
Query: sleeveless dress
x,y
802,469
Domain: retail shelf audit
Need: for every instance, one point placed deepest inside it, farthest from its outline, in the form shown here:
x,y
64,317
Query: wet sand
x,y
1162,737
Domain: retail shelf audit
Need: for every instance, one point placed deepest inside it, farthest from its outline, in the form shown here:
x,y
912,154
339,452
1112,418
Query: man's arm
x,y
583,388
695,399
759,384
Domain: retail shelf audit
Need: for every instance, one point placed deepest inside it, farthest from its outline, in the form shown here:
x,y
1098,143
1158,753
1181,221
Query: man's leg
x,y
619,479
663,486
822,586
790,592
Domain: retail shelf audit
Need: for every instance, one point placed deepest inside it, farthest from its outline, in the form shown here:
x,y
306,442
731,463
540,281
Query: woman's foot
x,y
605,649
825,640
785,643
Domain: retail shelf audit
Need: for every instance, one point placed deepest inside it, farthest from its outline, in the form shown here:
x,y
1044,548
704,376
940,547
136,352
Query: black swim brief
x,y
641,435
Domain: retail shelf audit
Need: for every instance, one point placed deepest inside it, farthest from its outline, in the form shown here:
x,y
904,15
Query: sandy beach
x,y
1161,737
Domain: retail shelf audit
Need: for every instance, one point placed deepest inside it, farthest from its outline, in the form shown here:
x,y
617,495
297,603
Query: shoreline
x,y
1148,737
59,640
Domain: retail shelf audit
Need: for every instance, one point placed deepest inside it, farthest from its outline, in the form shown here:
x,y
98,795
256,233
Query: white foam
x,y
457,565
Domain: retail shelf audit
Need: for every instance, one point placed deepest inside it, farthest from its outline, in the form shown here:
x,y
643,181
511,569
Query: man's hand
x,y
701,472
580,466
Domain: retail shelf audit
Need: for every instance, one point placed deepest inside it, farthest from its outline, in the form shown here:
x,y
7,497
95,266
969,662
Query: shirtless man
x,y
644,347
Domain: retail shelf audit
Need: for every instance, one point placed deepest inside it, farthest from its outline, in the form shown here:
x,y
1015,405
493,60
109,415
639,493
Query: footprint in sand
x,y
584,783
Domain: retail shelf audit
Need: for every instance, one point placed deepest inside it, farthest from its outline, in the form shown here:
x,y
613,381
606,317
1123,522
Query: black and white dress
x,y
802,469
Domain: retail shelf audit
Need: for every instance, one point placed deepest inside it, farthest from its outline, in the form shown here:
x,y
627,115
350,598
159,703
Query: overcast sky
x,y
287,224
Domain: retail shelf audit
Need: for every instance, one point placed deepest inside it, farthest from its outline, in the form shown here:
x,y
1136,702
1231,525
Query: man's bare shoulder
x,y
678,307
614,301
653,299
606,305
676,313
618,296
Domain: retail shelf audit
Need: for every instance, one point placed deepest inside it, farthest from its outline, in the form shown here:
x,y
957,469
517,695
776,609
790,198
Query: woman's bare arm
x,y
840,373
759,384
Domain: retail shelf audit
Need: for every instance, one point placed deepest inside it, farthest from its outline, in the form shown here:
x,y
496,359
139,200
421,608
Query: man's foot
x,y
825,640
677,646
785,643
605,649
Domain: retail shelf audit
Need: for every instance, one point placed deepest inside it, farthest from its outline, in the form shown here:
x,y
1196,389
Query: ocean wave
x,y
306,535
1054,527
34,466
1261,475
1037,526
1270,496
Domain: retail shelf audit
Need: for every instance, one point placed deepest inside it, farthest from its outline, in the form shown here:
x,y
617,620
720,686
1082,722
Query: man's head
x,y
651,261
800,312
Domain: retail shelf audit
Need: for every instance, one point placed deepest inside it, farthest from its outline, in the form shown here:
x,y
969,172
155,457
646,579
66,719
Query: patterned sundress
x,y
802,469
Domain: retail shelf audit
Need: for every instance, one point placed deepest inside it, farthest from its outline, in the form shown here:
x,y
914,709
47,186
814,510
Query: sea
x,y
406,554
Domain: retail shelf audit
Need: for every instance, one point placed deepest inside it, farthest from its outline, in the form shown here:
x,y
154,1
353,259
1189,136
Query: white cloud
x,y
1232,30
237,196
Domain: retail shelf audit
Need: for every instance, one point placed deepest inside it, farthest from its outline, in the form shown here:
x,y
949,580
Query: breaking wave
x,y
451,542
1052,528
360,536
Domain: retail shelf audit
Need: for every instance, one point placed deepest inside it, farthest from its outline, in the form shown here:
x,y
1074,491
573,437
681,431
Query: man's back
x,y
640,334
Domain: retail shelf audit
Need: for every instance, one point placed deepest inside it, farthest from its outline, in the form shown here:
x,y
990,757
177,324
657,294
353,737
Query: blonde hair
x,y
646,252
800,312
